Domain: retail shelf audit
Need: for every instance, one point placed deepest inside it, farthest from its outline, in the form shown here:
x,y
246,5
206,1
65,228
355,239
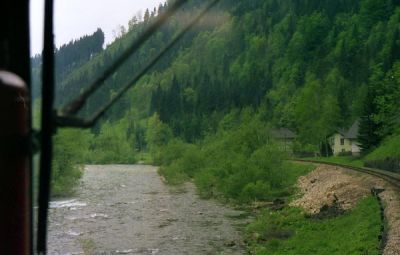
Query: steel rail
x,y
390,177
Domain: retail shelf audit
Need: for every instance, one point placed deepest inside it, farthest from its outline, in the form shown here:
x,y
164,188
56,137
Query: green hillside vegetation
x,y
389,148
386,156
240,162
70,152
312,66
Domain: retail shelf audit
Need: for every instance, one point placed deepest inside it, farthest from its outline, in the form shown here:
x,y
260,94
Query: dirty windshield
x,y
226,127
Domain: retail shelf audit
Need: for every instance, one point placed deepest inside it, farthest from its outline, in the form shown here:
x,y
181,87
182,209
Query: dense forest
x,y
311,66
68,57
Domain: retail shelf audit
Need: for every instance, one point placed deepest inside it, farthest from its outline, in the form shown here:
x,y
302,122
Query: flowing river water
x,y
122,209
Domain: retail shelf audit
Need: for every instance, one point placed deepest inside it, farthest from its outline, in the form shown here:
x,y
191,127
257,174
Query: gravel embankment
x,y
327,185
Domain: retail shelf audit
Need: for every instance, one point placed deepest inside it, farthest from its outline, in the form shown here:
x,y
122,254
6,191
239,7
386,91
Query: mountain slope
x,y
311,66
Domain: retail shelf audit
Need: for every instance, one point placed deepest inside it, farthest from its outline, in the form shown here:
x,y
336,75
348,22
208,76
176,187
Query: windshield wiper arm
x,y
77,104
73,121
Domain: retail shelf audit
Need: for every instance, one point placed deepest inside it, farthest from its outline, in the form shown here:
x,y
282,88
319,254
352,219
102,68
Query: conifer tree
x,y
368,137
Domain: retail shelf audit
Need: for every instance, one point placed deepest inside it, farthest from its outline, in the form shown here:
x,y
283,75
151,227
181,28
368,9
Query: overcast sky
x,y
75,18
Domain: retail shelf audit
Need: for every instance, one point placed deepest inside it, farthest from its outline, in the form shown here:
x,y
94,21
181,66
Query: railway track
x,y
390,177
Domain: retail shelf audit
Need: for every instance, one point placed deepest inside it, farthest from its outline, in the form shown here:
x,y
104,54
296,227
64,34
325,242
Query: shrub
x,y
170,152
192,160
173,173
206,182
255,191
112,145
158,134
240,163
70,150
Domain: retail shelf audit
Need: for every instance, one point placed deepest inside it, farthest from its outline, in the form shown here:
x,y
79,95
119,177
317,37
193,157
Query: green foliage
x,y
88,246
368,136
171,151
180,161
173,173
311,61
388,149
388,102
68,57
158,134
291,232
71,148
240,162
112,145
310,66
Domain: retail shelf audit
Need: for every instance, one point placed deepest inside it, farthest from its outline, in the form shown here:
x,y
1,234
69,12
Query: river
x,y
122,209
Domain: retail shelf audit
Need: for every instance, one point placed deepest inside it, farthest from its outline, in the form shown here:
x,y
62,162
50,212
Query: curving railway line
x,y
390,177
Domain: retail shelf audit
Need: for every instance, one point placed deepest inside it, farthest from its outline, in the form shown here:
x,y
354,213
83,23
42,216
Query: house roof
x,y
352,132
283,133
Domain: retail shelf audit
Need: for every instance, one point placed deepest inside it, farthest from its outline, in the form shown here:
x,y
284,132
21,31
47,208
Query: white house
x,y
345,141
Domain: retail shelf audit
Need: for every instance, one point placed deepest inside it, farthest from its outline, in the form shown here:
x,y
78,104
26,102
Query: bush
x,y
158,134
192,160
170,152
64,178
173,173
71,148
180,161
112,145
241,163
206,182
255,191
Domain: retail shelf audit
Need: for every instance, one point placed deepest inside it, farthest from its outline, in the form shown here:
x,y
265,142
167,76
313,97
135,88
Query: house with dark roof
x,y
285,137
344,141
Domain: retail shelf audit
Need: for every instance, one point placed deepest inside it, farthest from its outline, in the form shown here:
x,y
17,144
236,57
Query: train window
x,y
209,127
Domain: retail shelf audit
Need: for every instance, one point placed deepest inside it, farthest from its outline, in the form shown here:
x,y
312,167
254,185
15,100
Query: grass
x,y
291,232
145,157
88,246
389,148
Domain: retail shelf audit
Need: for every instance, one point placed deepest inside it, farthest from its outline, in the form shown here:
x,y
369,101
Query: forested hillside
x,y
69,57
312,66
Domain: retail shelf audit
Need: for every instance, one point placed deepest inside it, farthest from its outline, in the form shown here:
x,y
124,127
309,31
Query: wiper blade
x,y
73,121
78,103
